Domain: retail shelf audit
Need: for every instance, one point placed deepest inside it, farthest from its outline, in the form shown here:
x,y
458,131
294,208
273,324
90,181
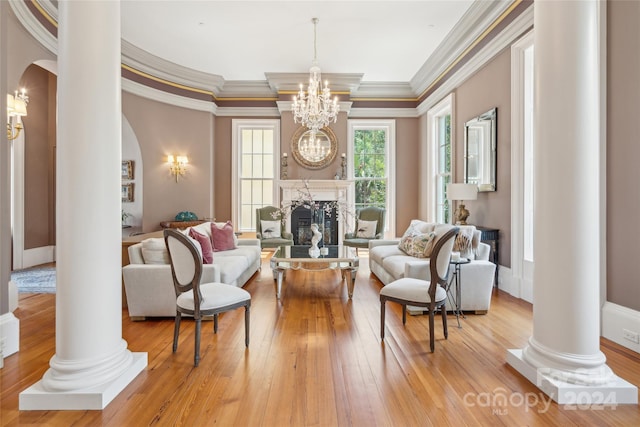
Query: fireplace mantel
x,y
342,191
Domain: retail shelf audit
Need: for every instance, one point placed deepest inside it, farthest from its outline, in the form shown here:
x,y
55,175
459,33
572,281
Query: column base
x,y
36,398
608,395
9,334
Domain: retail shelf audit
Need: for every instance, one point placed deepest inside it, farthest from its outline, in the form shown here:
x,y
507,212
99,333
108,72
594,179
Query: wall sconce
x,y
177,165
16,108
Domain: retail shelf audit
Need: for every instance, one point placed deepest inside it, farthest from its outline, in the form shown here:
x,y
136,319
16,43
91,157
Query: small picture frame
x,y
127,193
127,169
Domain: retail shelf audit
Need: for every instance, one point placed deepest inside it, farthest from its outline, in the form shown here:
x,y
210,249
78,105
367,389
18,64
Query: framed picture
x,y
127,193
127,169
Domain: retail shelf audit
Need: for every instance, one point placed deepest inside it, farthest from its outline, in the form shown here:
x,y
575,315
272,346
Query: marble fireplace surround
x,y
342,191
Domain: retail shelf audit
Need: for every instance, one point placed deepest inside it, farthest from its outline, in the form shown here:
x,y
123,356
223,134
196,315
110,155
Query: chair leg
x,y
382,310
431,334
215,323
443,311
404,314
196,357
176,331
247,317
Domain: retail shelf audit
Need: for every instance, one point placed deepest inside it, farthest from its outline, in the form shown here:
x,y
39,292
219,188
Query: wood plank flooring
x,y
315,359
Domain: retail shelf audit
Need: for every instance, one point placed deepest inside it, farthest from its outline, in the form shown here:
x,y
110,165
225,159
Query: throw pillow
x,y
222,224
421,226
154,251
417,244
270,229
222,238
366,229
205,244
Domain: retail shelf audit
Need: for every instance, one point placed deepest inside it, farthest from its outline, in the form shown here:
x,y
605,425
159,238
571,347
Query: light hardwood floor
x,y
315,358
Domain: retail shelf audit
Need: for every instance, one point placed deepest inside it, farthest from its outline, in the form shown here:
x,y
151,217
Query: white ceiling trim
x,y
386,113
34,27
511,33
153,94
247,112
474,22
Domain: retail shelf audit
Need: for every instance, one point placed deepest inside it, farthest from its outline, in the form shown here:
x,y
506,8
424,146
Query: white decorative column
x,y
92,363
563,357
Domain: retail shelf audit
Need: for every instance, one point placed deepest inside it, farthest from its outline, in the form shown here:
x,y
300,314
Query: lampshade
x,y
462,191
19,107
10,104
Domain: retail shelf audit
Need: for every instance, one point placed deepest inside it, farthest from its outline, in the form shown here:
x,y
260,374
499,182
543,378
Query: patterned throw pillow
x,y
366,229
270,229
417,244
222,238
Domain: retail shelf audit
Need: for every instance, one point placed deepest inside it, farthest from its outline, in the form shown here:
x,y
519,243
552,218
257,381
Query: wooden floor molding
x,y
315,359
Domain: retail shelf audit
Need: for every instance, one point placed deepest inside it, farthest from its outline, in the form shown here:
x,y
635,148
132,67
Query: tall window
x,y
440,140
372,150
256,155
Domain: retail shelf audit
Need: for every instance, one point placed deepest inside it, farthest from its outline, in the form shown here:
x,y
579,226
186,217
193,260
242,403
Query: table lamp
x,y
461,192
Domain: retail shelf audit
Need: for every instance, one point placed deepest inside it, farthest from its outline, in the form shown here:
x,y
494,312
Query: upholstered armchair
x,y
270,228
366,229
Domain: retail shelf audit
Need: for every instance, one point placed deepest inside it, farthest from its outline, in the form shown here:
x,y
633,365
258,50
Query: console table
x,y
181,224
491,236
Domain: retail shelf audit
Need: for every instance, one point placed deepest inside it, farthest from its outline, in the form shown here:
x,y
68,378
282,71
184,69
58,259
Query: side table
x,y
456,302
491,236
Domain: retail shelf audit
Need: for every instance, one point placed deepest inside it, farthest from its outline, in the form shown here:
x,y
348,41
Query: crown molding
x,y
371,113
147,92
473,23
385,90
246,89
511,33
290,82
33,26
155,66
247,112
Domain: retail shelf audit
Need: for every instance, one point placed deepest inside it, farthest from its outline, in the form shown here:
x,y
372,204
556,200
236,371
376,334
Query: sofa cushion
x,y
379,253
270,229
222,238
154,251
366,229
205,245
395,265
231,267
422,226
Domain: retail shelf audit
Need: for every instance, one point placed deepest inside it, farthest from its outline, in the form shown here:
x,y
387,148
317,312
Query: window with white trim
x,y
255,168
440,137
372,154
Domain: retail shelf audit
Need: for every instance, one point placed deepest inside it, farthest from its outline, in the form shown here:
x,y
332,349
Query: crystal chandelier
x,y
313,109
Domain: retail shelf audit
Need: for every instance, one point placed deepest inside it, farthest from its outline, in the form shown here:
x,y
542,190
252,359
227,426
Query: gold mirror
x,y
314,152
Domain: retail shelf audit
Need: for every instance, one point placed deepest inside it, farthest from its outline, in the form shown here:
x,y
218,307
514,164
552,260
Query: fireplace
x,y
301,220
341,191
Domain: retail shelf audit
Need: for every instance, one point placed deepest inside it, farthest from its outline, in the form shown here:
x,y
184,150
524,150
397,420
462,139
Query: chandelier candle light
x,y
313,109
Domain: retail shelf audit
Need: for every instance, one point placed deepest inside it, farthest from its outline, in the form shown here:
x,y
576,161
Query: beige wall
x,y
407,172
486,89
161,130
623,152
39,166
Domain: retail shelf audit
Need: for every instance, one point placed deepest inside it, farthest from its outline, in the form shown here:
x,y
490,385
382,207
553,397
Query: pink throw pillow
x,y
207,250
222,238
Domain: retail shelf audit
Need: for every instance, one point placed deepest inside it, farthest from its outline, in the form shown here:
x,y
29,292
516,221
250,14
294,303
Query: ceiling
x,y
386,41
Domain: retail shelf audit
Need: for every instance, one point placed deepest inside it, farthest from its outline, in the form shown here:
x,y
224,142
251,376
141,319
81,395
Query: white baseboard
x,y
37,256
9,334
515,286
615,319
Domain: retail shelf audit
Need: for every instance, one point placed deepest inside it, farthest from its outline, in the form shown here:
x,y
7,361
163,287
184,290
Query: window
x,y
372,150
255,160
439,139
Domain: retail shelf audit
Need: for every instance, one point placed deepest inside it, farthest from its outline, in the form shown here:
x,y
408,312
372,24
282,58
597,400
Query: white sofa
x,y
149,287
390,263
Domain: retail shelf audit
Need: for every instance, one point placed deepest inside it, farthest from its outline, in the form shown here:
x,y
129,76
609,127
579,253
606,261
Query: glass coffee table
x,y
332,257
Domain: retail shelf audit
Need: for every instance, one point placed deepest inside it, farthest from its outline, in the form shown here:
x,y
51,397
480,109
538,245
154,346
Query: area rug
x,y
35,280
